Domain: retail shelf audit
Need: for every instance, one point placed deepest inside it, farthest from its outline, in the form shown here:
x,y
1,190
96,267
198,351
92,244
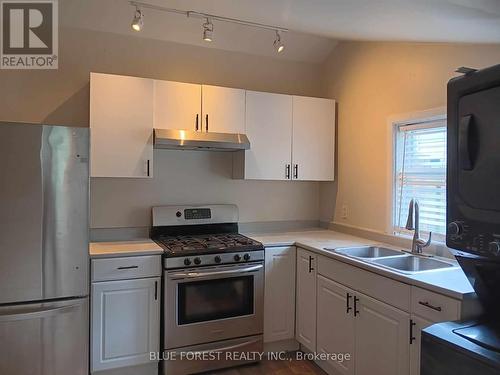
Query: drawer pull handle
x,y
427,304
127,267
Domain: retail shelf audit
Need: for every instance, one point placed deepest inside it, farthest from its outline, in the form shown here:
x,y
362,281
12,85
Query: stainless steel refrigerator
x,y
44,210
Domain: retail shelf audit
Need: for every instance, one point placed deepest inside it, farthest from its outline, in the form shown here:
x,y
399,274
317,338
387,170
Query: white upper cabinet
x,y
177,105
223,109
313,146
269,129
291,138
121,123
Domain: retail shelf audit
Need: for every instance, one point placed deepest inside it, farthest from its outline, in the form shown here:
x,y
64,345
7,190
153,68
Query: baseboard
x,y
281,346
146,369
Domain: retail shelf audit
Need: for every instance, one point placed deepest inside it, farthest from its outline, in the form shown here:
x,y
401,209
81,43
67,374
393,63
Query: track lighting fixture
x,y
279,46
208,30
138,21
208,26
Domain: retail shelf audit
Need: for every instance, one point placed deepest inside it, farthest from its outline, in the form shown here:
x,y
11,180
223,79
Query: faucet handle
x,y
428,242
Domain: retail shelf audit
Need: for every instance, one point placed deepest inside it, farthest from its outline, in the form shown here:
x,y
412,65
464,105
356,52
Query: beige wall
x,y
372,82
62,97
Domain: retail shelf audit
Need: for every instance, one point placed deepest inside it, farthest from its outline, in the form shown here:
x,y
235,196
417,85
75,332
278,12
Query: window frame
x,y
394,122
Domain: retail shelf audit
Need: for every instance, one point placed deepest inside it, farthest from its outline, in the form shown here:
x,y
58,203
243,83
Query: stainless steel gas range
x,y
213,288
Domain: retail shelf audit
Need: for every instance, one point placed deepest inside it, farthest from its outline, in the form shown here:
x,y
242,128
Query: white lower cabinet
x,y
418,324
305,324
279,294
125,323
382,338
335,322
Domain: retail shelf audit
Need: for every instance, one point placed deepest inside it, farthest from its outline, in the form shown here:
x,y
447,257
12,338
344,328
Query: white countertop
x,y
124,248
450,282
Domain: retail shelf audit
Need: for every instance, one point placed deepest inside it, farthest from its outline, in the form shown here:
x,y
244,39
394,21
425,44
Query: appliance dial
x,y
237,257
197,261
178,214
455,228
494,247
187,262
217,259
246,257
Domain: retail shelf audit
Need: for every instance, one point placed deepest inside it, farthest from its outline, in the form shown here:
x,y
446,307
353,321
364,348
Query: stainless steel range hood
x,y
192,140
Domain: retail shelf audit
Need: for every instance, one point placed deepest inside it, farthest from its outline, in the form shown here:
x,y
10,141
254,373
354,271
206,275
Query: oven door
x,y
213,303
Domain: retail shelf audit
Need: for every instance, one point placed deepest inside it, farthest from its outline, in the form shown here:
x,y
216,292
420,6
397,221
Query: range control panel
x,y
197,213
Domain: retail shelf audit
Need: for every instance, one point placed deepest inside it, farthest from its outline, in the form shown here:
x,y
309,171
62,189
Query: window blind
x,y
421,174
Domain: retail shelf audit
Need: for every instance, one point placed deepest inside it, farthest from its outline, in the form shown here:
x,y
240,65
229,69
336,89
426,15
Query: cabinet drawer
x,y
126,268
433,306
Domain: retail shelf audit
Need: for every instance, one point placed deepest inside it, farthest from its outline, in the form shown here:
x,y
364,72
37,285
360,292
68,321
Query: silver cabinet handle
x,y
427,304
126,267
287,171
296,171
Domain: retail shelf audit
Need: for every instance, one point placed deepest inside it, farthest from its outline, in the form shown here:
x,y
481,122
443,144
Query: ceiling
x,y
315,24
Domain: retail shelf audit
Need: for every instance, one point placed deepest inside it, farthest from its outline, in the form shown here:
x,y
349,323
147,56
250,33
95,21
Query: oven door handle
x,y
183,275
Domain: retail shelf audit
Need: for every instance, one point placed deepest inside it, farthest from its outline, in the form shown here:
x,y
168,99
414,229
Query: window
x,y
420,173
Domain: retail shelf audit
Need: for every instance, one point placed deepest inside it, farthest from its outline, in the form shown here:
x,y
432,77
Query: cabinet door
x,y
279,294
335,324
177,105
382,338
223,109
313,148
125,325
121,124
269,129
305,325
418,325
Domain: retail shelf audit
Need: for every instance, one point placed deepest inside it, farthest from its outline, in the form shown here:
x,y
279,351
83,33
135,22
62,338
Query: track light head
x,y
279,46
208,31
138,21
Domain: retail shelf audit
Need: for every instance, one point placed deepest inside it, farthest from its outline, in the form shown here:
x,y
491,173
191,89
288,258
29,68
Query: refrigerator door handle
x,y
43,312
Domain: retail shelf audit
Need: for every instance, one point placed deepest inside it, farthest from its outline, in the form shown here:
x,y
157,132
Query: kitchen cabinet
x,y
177,105
269,129
305,325
125,314
279,294
291,138
121,124
313,142
373,333
418,324
223,109
335,321
382,338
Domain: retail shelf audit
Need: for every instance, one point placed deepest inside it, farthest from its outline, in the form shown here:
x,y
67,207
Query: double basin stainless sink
x,y
393,259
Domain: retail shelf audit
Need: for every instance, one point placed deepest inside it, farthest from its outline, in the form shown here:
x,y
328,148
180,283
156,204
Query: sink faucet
x,y
413,223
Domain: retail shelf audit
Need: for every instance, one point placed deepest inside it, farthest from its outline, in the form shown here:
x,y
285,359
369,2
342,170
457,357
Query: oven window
x,y
202,301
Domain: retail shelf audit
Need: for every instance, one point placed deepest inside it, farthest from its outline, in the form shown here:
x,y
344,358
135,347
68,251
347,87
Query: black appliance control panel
x,y
460,234
197,213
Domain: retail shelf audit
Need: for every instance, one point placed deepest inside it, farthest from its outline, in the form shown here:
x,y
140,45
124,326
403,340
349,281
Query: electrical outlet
x,y
345,212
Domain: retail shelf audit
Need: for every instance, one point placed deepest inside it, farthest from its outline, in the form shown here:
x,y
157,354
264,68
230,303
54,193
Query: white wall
x,y
372,82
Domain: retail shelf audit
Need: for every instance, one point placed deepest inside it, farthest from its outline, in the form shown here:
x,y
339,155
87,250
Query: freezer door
x,y
45,338
44,194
